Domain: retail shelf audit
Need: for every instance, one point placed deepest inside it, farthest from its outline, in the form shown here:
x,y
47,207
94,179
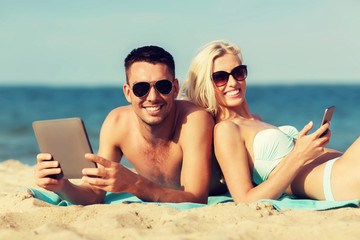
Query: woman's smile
x,y
233,93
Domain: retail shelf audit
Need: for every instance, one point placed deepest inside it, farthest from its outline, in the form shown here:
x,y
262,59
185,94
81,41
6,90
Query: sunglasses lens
x,y
239,73
140,89
163,86
220,78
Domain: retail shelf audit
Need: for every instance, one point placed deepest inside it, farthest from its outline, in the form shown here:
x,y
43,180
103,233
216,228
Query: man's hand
x,y
45,167
109,176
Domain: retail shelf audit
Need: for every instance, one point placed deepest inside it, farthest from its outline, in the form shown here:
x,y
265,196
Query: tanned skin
x,y
167,141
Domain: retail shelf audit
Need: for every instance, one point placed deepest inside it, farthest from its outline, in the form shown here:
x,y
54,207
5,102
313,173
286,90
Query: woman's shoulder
x,y
256,117
226,127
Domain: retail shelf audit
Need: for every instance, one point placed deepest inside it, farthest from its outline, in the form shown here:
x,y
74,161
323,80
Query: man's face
x,y
154,107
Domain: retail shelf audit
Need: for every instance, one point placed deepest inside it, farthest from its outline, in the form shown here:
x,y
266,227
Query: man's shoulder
x,y
120,111
192,114
188,108
116,124
119,114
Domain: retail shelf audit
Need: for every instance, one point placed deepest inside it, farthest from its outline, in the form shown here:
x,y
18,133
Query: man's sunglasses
x,y
141,89
220,78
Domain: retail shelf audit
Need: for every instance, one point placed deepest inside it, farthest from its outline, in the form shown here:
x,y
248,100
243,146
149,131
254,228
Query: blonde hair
x,y
198,86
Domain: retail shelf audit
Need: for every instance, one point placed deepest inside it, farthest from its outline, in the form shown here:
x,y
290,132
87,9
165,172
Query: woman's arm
x,y
233,157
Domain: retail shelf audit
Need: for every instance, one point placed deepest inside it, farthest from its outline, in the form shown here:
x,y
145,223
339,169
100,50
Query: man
x,y
167,141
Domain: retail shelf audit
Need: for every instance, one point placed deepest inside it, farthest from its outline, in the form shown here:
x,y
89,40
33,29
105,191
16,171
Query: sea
x,y
294,105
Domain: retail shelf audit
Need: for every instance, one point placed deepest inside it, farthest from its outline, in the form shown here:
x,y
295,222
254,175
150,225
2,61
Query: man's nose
x,y
153,93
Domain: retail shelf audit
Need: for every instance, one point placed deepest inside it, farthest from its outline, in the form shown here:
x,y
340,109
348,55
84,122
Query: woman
x,y
258,160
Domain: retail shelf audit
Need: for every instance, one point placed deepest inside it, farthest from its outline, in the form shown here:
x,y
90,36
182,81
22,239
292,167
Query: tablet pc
x,y
67,141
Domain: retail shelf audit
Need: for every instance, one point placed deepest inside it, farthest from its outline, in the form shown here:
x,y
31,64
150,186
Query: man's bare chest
x,y
160,163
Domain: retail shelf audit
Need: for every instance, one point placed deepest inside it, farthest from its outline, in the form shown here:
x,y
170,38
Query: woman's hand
x,y
312,146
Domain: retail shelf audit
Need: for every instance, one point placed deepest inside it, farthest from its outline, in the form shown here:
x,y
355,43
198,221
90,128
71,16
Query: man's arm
x,y
76,194
196,143
114,177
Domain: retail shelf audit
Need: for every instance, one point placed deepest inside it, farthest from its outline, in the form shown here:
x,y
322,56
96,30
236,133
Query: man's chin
x,y
153,122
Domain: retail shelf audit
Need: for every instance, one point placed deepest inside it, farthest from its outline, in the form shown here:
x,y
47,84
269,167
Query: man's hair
x,y
150,54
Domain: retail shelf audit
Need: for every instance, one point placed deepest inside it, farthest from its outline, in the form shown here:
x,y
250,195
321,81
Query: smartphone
x,y
327,117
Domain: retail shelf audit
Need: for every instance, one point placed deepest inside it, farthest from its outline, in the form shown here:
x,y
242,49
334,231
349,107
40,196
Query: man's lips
x,y
153,109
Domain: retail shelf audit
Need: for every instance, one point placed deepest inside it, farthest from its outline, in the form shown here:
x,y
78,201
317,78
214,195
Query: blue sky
x,y
84,42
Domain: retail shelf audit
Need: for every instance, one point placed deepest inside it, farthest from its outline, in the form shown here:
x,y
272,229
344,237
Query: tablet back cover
x,y
67,141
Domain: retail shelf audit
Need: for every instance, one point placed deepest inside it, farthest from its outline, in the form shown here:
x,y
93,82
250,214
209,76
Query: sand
x,y
24,217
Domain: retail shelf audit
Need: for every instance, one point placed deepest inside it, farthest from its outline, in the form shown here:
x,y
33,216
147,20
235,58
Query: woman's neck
x,y
241,111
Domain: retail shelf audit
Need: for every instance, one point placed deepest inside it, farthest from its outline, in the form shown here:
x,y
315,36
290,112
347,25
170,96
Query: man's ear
x,y
126,89
176,87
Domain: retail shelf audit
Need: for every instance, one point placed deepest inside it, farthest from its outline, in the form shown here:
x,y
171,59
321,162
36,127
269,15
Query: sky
x,y
84,42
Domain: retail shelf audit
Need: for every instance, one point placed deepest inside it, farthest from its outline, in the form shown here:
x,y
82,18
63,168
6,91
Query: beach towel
x,y
284,202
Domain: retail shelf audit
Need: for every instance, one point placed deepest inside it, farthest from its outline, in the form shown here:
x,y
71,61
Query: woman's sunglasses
x,y
220,78
141,89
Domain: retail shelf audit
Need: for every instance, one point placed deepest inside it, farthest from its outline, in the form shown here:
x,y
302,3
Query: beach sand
x,y
23,217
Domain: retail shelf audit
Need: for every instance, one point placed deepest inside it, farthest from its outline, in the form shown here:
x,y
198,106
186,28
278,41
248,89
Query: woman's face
x,y
232,94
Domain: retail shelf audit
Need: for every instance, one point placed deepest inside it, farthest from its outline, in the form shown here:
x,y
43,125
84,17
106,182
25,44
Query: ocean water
x,y
278,105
